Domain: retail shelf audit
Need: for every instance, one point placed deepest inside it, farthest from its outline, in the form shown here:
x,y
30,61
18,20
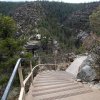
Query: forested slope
x,y
59,20
8,7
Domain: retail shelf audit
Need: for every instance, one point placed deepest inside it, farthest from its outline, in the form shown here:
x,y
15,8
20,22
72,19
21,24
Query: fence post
x,y
21,79
39,60
55,56
31,71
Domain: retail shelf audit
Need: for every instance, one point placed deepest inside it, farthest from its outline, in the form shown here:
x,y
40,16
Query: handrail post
x,y
31,71
55,61
39,60
21,79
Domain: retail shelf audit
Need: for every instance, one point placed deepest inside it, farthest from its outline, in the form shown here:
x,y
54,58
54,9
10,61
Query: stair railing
x,y
23,82
10,82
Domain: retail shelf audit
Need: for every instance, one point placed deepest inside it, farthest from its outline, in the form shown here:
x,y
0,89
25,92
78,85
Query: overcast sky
x,y
68,1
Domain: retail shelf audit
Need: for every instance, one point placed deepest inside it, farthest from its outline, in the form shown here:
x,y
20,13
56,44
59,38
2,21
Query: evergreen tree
x,y
95,21
10,46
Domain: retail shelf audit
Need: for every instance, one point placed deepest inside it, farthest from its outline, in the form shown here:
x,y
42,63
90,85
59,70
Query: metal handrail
x,y
22,81
8,87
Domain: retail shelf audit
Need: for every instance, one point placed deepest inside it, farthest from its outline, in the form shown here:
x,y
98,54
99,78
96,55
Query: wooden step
x,y
58,85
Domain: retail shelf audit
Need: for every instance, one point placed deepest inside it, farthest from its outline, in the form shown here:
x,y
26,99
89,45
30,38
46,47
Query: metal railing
x,y
8,87
22,81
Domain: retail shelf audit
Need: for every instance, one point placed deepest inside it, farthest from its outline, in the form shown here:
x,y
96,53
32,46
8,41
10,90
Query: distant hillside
x,y
62,21
8,7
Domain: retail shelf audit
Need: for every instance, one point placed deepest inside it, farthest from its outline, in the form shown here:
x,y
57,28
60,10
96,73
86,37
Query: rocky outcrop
x,y
28,16
89,71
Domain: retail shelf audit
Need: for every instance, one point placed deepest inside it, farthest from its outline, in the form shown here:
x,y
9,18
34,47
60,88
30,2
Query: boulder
x,y
87,73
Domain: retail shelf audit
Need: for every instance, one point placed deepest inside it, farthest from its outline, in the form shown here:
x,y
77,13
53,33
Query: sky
x,y
67,1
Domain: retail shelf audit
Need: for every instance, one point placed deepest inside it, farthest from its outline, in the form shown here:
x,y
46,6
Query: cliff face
x,y
28,16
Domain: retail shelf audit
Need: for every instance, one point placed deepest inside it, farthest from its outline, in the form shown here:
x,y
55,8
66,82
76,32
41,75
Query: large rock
x,y
87,73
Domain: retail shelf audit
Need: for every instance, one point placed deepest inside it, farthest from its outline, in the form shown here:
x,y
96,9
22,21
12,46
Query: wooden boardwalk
x,y
59,85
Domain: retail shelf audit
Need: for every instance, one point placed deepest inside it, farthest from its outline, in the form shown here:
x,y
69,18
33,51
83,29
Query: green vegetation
x,y
7,8
63,21
10,50
7,27
95,21
80,50
95,26
10,47
59,20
